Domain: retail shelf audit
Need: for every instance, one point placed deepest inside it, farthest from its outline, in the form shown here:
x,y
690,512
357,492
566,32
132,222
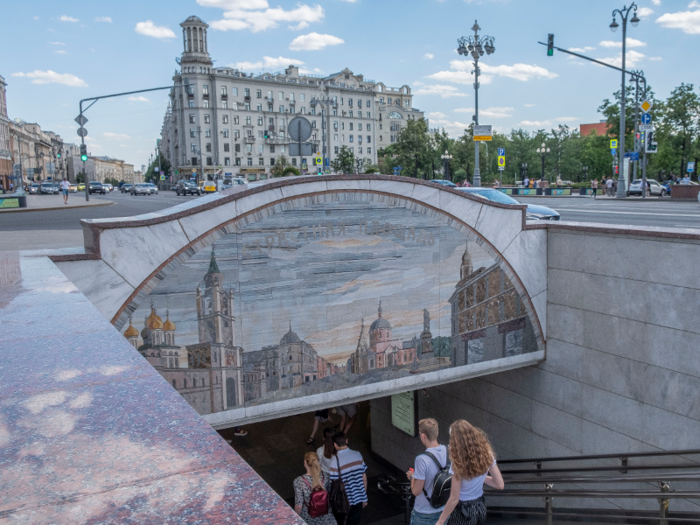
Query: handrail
x,y
602,456
603,493
607,479
602,468
501,510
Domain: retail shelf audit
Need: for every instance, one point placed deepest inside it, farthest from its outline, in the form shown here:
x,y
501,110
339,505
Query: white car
x,y
108,187
654,188
152,187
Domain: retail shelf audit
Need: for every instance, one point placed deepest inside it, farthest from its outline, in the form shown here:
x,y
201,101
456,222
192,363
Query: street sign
x,y
318,161
82,132
328,161
156,169
303,164
194,170
632,155
646,127
501,151
501,168
613,144
646,118
613,151
691,167
647,105
482,133
162,177
299,129
501,161
81,120
306,149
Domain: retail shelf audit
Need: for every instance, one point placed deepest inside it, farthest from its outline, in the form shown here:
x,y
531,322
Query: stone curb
x,y
66,207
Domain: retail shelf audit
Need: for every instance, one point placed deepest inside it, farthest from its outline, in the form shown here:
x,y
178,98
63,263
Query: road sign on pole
x,y
501,151
483,133
613,151
82,132
613,144
646,127
81,120
646,118
691,167
647,105
501,161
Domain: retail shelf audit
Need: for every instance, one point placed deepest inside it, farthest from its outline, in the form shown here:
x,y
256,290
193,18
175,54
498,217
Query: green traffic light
x,y
84,158
550,52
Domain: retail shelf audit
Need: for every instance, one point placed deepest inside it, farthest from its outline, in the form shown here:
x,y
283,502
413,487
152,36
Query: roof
x,y
213,267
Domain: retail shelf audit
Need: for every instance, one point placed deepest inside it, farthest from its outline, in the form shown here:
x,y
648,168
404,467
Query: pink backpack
x,y
318,501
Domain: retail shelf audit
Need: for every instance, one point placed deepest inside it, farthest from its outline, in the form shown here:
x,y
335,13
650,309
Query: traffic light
x,y
83,153
617,170
58,155
550,45
266,134
650,145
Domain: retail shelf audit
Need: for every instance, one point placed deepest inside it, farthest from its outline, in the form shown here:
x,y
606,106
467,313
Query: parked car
x,y
33,189
48,188
447,183
534,212
126,188
140,189
185,187
152,187
209,186
654,188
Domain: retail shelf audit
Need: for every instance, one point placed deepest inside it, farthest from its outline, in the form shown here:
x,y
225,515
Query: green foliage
x,y
459,175
80,177
344,162
281,164
290,170
153,176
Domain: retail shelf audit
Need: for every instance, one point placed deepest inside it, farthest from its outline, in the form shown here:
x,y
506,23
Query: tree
x,y
413,149
151,174
281,163
290,170
682,117
344,162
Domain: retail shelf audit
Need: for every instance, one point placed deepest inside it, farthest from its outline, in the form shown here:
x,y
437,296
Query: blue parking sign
x,y
501,152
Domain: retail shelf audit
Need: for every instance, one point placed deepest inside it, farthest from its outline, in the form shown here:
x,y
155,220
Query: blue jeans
x,y
419,518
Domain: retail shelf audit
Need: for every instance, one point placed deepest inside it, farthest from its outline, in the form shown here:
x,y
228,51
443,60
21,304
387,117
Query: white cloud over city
x,y
51,77
267,63
686,21
103,19
64,18
441,90
314,42
257,15
493,112
148,28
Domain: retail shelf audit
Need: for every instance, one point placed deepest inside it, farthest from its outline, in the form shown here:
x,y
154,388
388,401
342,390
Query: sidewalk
x,y
40,239
55,202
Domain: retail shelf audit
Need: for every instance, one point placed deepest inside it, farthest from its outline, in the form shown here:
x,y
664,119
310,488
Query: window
x,y
224,104
260,134
394,114
209,161
369,151
291,97
223,91
249,148
291,109
271,121
336,149
205,90
207,119
341,101
389,100
359,127
303,110
227,147
368,115
246,106
272,149
249,132
235,119
369,139
190,103
270,107
302,97
193,133
313,124
259,107
227,161
281,109
250,161
367,127
261,161
225,119
342,125
294,161
190,90
381,100
248,121
393,138
359,103
359,150
237,148
351,113
397,102
405,103
367,102
359,139
194,161
280,95
193,147
350,126
207,133
191,118
335,112
349,102
381,138
272,162
225,133
269,95
335,137
234,91
260,149
351,138
208,147
206,104
260,121
258,93
246,92
238,161
282,148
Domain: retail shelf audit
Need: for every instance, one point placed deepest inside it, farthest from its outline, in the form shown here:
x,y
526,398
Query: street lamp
x,y
585,172
523,171
446,158
476,46
358,165
624,14
324,101
544,151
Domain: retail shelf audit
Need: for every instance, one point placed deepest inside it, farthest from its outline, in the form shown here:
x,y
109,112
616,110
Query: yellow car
x,y
81,186
73,188
209,186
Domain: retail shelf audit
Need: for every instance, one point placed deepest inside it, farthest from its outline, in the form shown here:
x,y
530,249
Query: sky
x,y
60,52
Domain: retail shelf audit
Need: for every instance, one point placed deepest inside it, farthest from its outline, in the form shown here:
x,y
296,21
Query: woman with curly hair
x,y
473,465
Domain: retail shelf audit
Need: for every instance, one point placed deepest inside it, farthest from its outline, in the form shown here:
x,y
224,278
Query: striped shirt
x,y
352,467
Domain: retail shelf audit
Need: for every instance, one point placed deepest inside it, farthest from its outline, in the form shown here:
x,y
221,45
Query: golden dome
x,y
168,325
131,331
154,322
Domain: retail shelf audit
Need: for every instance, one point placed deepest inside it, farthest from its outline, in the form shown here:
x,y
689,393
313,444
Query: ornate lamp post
x,y
324,101
446,158
523,170
476,46
585,172
624,14
544,151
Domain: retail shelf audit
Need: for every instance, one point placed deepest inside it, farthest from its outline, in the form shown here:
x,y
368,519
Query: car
x,y
534,212
97,187
73,188
140,189
108,187
48,188
126,188
152,187
654,188
33,189
81,186
185,187
235,181
442,182
209,186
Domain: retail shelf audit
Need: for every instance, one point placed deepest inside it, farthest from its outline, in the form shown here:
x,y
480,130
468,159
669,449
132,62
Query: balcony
x,y
249,140
246,99
224,96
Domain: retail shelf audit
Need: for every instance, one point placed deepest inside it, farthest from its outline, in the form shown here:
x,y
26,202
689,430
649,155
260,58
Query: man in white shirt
x,y
424,473
65,188
609,186
686,180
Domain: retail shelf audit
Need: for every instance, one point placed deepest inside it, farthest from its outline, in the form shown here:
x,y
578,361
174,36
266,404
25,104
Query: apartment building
x,y
222,120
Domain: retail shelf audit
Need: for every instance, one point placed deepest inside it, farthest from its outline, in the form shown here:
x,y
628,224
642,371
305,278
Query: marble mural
x,y
327,295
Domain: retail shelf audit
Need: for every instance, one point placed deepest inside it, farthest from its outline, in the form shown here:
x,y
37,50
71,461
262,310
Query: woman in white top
x,y
325,453
473,465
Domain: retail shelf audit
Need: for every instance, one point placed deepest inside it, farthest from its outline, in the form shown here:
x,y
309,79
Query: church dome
x,y
168,325
290,338
131,331
154,322
380,322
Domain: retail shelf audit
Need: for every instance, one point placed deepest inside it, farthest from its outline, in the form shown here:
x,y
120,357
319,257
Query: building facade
x,y
109,168
223,121
5,148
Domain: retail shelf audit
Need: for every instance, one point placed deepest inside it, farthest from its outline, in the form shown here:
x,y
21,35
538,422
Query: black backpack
x,y
442,484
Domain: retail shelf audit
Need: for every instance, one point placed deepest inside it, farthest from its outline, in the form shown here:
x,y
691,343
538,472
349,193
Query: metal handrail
x,y
603,468
603,456
501,510
603,493
607,479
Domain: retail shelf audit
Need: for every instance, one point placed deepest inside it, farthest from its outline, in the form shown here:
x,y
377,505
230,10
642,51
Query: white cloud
x,y
148,28
428,56
645,12
301,25
257,16
655,58
139,98
51,77
452,127
65,18
57,43
581,49
694,4
436,114
535,123
235,4
632,59
522,72
529,105
566,119
439,89
36,18
631,43
489,112
267,63
116,136
103,19
686,21
656,2
314,41
60,52
459,77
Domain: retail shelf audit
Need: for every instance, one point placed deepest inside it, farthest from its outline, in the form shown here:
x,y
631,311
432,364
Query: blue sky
x,y
60,52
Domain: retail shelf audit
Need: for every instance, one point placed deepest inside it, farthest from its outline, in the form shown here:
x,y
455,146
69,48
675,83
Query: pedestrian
x,y
422,476
559,182
305,488
349,468
65,187
473,465
594,187
685,180
321,416
326,451
609,187
534,184
526,182
348,414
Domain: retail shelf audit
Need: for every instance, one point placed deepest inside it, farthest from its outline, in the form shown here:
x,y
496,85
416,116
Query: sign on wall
x,y
404,412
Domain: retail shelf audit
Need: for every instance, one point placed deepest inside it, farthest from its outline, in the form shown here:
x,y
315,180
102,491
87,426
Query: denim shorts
x,y
65,192
420,518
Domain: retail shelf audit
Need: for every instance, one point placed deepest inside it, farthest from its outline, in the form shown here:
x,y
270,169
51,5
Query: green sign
x,y
9,203
403,413
162,177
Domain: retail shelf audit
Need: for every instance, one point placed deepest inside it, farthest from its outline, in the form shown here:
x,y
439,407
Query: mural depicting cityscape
x,y
325,297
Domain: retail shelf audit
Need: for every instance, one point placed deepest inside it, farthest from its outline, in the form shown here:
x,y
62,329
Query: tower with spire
x,y
195,53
